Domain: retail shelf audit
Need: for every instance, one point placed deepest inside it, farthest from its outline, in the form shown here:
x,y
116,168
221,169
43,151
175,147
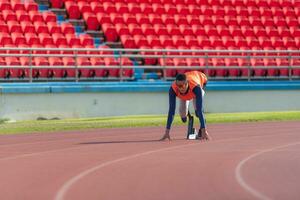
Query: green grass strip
x,y
42,126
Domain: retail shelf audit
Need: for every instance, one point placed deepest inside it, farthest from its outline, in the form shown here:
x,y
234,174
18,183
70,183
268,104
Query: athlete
x,y
188,86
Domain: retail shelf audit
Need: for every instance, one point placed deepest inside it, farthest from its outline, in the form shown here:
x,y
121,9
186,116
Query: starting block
x,y
191,131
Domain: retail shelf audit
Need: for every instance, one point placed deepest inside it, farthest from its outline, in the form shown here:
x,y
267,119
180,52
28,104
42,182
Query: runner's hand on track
x,y
166,135
204,134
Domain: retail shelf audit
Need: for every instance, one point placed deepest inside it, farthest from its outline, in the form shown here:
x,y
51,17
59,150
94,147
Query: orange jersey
x,y
194,78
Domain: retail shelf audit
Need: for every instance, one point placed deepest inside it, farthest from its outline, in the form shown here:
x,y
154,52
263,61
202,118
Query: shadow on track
x,y
125,141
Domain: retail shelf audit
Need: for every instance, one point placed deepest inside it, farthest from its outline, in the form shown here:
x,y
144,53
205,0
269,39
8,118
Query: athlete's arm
x,y
199,105
171,113
172,107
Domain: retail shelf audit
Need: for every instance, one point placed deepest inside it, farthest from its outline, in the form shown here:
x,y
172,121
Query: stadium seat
x,y
72,40
9,15
5,5
129,18
5,38
14,26
22,16
84,6
30,5
110,32
72,9
86,40
56,3
40,27
49,17
35,16
18,38
53,27
67,28
91,21
113,72
45,39
59,39
3,27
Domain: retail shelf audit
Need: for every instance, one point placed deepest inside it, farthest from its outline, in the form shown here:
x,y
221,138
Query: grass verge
x,y
42,126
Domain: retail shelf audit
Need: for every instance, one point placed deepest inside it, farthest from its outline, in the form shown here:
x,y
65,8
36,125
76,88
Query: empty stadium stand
x,y
257,27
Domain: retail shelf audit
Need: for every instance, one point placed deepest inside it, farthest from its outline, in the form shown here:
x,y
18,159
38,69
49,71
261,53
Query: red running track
x,y
243,161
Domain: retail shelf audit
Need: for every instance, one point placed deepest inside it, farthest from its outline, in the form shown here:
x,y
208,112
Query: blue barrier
x,y
139,86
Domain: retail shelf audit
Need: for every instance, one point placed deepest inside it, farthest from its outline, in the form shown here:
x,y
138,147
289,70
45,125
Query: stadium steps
x,y
60,13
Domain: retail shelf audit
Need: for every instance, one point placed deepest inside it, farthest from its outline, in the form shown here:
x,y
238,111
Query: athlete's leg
x,y
183,109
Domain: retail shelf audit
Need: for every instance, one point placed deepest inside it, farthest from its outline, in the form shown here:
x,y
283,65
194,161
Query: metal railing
x,y
217,64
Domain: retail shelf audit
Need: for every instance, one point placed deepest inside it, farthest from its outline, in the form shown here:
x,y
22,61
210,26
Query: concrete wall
x,y
29,106
20,103
70,105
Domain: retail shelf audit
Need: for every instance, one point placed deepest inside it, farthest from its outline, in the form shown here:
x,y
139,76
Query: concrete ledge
x,y
142,86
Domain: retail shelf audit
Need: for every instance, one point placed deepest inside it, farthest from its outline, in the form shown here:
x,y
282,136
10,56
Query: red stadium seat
x,y
72,9
125,62
127,41
14,26
53,27
103,18
116,18
3,27
167,19
59,39
9,15
67,28
91,21
134,29
130,18
122,29
5,5
45,39
113,72
40,27
110,32
22,15
27,27
165,40
182,9
97,7
155,19
160,29
84,7
35,16
30,5
49,17
86,39
122,7
109,7
18,38
191,40
134,8
173,29
5,38
17,5
140,40
56,3
142,18
147,29
72,40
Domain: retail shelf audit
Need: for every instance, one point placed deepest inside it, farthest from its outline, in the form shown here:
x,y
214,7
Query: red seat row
x,y
233,67
45,70
17,5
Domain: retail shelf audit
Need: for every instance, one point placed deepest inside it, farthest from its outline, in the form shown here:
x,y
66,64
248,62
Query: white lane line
x,y
241,164
68,184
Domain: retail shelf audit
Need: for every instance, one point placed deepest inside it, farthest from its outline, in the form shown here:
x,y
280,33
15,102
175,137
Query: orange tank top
x,y
194,78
